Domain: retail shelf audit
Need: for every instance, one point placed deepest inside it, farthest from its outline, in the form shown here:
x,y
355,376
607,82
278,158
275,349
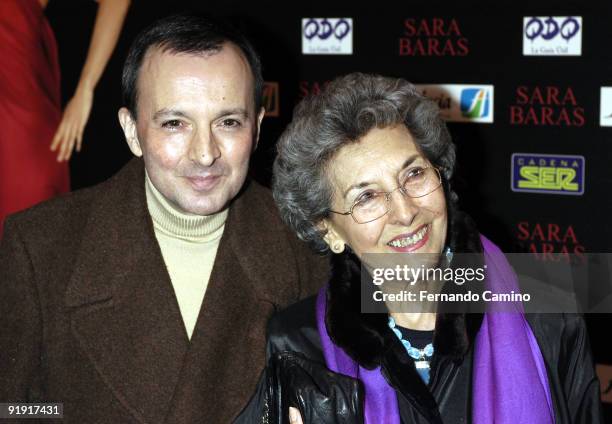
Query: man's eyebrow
x,y
165,113
367,183
235,111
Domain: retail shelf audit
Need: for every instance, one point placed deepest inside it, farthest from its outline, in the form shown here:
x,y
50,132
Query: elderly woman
x,y
365,167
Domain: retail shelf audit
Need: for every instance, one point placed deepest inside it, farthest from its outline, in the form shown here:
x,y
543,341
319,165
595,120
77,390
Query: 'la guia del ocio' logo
x,y
461,102
550,174
432,37
327,36
552,36
546,106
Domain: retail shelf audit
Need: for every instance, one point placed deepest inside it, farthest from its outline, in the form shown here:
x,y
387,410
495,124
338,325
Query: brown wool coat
x,y
88,315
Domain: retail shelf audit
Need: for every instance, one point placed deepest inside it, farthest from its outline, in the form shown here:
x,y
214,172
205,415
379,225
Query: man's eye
x,y
231,123
172,124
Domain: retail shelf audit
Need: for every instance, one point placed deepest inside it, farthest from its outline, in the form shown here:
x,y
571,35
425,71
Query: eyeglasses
x,y
372,205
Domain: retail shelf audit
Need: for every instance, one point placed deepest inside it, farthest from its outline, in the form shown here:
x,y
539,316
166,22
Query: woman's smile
x,y
410,242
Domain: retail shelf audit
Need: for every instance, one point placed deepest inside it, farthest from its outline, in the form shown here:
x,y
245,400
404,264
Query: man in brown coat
x,y
145,299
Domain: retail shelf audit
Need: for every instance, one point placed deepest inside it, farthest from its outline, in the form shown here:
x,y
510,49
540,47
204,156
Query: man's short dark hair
x,y
186,33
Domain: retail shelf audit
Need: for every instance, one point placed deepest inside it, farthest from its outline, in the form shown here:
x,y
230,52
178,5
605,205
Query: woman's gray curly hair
x,y
341,114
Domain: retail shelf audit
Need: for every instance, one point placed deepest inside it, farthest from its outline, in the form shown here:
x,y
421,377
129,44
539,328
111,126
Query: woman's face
x,y
379,161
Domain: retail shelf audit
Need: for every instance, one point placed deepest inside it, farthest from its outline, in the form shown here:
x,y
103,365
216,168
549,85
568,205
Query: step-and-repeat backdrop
x,y
526,91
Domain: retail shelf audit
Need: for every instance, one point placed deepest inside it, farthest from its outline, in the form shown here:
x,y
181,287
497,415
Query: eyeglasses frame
x,y
388,197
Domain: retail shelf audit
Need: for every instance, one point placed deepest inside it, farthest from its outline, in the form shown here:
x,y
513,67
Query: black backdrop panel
x,y
544,105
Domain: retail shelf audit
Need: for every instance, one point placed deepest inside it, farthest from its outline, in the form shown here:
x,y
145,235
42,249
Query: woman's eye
x,y
365,197
172,124
415,173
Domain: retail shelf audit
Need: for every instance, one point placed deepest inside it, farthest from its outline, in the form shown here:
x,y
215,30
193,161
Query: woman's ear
x,y
331,237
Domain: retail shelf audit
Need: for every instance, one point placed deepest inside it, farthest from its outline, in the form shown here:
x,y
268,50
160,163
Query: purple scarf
x,y
509,378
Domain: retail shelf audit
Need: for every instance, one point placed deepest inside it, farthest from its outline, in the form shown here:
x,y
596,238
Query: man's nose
x,y
403,208
203,148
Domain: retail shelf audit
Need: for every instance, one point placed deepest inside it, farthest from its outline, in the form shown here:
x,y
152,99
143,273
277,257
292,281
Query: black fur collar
x,y
366,337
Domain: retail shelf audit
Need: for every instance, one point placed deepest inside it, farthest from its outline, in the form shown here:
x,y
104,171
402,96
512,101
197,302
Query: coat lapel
x,y
257,236
123,309
227,351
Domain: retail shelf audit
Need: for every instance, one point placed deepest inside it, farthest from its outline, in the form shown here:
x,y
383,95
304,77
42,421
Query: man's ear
x,y
128,123
335,242
260,117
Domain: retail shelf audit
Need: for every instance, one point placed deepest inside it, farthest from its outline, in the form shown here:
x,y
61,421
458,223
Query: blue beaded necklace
x,y
421,356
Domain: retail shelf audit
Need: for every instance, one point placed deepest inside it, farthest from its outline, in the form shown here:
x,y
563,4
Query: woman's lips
x,y
410,242
203,183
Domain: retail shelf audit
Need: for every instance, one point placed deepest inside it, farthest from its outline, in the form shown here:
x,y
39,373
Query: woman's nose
x,y
403,209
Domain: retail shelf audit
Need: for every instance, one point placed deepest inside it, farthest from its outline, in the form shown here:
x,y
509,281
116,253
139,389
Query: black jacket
x,y
367,339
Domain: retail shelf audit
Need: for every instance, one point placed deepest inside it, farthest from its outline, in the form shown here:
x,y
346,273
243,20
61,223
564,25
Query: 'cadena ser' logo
x,y
552,36
544,173
327,36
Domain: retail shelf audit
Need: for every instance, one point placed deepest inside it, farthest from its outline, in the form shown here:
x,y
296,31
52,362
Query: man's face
x,y
196,126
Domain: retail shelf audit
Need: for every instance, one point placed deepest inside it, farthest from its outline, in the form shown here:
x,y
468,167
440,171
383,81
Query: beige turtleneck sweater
x,y
189,245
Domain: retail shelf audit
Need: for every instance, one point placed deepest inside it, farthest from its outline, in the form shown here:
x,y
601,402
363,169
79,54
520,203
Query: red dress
x,y
30,107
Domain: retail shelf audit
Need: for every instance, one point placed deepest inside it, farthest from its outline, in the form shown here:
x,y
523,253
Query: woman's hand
x,y
109,21
70,130
294,416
